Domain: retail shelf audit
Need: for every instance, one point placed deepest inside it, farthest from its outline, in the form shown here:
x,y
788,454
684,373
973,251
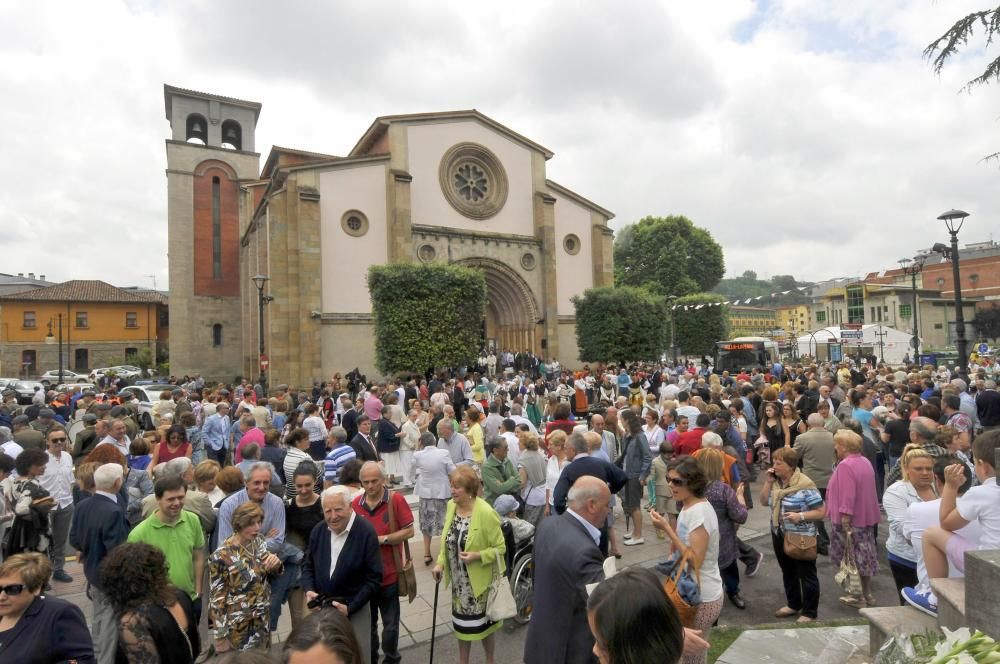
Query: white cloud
x,y
810,137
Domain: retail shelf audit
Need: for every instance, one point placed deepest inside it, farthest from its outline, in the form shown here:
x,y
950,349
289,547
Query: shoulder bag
x,y
799,546
682,586
405,574
500,603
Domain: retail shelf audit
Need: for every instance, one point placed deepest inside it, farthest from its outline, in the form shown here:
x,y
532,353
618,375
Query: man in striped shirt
x,y
340,453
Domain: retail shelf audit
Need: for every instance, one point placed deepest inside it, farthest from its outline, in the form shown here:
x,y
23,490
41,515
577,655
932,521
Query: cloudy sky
x,y
809,136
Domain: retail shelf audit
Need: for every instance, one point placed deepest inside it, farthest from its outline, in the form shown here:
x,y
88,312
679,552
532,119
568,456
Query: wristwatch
x,y
385,540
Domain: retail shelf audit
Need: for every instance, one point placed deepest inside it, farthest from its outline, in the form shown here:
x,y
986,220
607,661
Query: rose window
x,y
471,182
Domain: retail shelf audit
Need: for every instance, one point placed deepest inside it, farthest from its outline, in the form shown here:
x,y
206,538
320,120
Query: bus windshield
x,y
734,356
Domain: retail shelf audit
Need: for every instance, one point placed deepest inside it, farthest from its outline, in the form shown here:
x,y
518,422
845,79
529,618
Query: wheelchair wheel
x,y
522,586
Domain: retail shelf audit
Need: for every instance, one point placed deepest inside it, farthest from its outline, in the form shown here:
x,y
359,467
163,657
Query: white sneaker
x,y
627,536
632,541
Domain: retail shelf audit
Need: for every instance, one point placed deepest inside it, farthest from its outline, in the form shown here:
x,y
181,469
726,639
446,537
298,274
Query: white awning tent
x,y
896,342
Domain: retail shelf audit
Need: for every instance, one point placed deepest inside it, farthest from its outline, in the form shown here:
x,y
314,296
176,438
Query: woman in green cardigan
x,y
472,556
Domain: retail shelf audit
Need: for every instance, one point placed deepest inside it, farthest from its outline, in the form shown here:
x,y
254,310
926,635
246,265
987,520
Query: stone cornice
x,y
346,319
171,141
475,236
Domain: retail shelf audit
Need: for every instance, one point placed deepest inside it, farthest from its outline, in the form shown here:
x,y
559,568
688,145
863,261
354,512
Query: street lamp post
x,y
50,340
671,299
912,267
881,334
954,219
260,281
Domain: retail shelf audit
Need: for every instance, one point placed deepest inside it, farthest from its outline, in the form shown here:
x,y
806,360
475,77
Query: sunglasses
x,y
61,439
676,481
13,589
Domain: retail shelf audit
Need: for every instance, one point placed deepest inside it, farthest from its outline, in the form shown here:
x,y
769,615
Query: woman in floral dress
x,y
472,555
240,591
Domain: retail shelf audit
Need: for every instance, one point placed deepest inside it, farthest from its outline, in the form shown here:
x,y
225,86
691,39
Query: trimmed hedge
x,y
619,324
426,315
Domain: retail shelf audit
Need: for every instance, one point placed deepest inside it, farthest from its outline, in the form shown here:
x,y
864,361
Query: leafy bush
x,y
426,315
619,324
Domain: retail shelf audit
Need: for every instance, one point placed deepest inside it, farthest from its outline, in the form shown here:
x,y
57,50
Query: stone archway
x,y
512,317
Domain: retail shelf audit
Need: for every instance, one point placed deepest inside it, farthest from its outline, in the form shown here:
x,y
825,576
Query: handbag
x,y
799,546
848,576
682,586
406,575
500,603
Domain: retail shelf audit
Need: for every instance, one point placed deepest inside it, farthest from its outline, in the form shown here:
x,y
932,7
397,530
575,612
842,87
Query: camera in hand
x,y
324,600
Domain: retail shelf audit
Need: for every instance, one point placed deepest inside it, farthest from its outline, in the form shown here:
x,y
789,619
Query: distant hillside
x,y
748,285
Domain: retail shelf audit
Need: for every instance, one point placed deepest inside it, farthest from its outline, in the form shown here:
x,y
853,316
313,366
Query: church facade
x,y
454,187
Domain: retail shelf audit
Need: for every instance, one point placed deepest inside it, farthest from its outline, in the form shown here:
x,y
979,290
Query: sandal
x,y
428,560
856,602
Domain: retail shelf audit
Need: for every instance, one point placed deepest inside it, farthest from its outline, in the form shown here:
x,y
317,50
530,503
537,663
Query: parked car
x,y
4,382
147,395
83,386
125,371
52,377
26,390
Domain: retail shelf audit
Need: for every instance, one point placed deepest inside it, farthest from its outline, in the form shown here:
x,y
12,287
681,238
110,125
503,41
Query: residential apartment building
x,y
101,325
747,321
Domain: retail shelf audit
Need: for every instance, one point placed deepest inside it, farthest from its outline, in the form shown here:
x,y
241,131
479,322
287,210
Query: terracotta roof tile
x,y
80,290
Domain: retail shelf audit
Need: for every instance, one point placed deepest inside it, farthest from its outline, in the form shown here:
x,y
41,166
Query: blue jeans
x,y
279,590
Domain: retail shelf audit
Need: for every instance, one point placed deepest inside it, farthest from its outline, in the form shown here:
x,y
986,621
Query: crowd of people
x,y
236,505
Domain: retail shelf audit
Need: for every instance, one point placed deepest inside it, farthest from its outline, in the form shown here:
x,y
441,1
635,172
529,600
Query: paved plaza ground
x,y
763,593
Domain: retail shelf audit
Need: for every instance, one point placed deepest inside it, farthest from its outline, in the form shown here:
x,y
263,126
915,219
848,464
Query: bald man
x,y
567,558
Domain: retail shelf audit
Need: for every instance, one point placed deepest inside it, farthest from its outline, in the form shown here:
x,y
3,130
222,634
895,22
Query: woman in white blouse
x,y
557,461
429,471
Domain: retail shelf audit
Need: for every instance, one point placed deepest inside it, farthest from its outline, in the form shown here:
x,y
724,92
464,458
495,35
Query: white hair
x,y
106,475
337,490
711,439
259,465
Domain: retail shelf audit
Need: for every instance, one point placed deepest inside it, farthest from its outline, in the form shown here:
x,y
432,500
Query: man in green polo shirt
x,y
178,535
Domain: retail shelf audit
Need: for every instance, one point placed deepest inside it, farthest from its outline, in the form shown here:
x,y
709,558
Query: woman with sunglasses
x,y
698,534
34,628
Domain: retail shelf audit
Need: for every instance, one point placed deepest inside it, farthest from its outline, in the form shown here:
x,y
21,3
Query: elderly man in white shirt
x,y
117,437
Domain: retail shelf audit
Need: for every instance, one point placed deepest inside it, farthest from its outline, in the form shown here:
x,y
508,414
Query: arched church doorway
x,y
512,320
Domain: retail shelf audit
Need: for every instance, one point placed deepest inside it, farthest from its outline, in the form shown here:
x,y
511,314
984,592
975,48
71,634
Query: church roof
x,y
585,202
279,157
81,290
381,125
170,90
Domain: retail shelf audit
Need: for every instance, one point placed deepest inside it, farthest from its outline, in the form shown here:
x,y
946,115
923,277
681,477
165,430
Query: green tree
x,y
667,255
426,315
697,329
619,324
142,358
987,323
955,38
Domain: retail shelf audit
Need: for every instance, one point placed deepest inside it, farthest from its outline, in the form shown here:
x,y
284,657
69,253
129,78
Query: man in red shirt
x,y
689,442
373,505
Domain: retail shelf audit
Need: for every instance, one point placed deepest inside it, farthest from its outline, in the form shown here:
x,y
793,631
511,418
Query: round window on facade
x,y
571,244
473,180
427,253
528,261
354,223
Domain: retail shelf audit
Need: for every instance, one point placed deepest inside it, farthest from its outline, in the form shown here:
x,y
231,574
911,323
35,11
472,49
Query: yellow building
x,y
793,318
101,325
747,321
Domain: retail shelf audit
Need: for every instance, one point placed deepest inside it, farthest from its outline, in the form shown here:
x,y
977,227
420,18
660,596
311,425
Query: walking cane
x,y
437,586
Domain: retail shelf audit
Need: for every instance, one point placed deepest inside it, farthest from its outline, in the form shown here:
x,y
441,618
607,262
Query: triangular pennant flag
x,y
759,297
785,292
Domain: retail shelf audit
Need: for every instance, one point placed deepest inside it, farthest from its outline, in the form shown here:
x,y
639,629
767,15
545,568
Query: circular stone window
x,y
354,223
426,253
528,261
473,180
571,244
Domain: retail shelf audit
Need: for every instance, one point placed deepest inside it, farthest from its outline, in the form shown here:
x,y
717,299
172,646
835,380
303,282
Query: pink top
x,y
851,492
253,435
373,407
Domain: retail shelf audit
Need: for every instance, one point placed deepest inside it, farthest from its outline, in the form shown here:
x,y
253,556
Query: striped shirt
x,y
335,460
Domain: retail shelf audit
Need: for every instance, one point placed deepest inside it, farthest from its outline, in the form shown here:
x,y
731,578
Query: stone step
x,y
888,621
982,571
809,645
950,595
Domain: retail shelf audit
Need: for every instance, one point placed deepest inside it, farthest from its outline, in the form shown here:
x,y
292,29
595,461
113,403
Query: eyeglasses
x,y
13,589
676,481
61,439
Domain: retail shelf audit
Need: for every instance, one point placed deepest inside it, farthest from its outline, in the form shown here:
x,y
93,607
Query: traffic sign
x,y
984,348
851,334
263,362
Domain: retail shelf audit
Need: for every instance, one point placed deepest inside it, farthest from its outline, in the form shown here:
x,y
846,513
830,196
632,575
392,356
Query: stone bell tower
x,y
210,152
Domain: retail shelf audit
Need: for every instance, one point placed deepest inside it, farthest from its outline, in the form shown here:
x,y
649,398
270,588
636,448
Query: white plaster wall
x,y
346,258
427,143
574,273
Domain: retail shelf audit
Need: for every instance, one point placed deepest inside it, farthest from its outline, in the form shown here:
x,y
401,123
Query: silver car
x,y
147,395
